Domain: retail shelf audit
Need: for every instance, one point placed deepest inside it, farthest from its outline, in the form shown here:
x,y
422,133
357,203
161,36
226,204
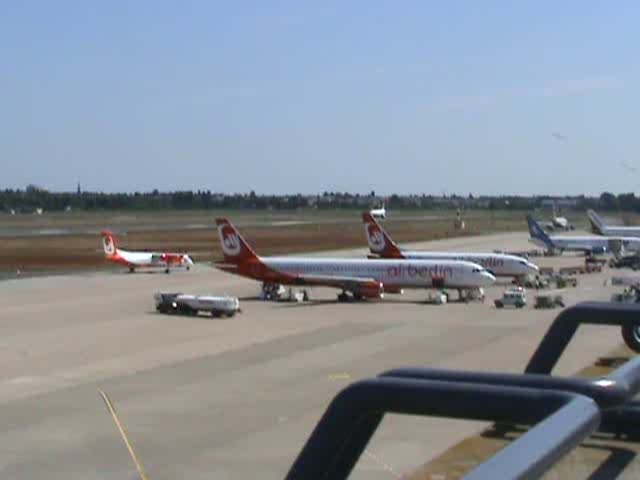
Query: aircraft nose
x,y
533,268
488,278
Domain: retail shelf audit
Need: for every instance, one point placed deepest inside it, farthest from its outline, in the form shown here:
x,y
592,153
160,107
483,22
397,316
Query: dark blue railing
x,y
561,411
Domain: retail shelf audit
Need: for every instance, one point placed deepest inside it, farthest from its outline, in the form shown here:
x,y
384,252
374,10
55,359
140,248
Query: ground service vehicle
x,y
192,304
534,281
563,281
626,261
279,293
515,297
548,301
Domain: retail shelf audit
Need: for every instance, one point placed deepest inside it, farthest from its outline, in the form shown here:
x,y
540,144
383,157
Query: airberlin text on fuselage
x,y
486,262
412,271
490,262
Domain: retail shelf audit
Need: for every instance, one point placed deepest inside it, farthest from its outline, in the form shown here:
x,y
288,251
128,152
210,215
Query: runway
x,y
237,398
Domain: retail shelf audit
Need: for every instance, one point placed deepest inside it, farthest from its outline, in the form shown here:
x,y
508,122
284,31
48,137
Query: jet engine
x,y
371,290
395,290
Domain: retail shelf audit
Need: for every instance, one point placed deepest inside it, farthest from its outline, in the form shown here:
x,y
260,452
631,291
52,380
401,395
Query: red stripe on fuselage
x,y
257,270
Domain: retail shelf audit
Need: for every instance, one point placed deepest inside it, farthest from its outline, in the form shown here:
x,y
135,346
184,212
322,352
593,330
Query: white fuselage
x,y
560,222
378,213
618,231
588,242
502,265
139,259
150,259
390,272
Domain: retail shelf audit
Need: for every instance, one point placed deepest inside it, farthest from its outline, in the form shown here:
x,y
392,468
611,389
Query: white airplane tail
x,y
597,225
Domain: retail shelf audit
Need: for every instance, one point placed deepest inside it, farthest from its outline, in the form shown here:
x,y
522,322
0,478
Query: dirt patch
x,y
82,251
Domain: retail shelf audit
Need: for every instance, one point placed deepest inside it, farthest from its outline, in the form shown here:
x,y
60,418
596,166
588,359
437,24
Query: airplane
x,y
589,244
499,264
356,278
557,222
599,227
379,212
135,260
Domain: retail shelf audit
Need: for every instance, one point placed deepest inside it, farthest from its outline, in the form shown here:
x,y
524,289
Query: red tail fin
x,y
234,247
379,242
108,244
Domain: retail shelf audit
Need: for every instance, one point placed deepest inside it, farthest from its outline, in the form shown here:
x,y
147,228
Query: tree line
x,y
31,199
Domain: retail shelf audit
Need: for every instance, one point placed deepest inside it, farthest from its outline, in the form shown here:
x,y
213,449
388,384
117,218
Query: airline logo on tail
x,y
537,232
108,244
375,237
229,240
379,241
234,247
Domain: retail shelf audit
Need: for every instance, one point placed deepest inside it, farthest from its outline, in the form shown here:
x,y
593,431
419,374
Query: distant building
x,y
559,203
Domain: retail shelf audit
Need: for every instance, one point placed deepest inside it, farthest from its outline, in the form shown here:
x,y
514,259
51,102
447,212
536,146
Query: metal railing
x,y
562,412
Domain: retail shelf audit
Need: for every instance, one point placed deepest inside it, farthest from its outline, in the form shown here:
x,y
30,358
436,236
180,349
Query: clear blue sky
x,y
408,97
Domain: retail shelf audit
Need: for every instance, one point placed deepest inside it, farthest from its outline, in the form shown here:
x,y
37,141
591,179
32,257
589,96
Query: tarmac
x,y
238,397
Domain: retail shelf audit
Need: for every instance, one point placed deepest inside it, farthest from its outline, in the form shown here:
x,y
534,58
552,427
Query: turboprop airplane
x,y
599,227
589,244
499,264
357,278
135,260
379,212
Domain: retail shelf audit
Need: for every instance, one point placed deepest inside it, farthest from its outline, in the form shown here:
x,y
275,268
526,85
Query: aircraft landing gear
x,y
350,297
132,269
166,270
343,297
272,291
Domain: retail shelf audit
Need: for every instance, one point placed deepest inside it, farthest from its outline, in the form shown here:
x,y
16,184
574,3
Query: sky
x,y
491,97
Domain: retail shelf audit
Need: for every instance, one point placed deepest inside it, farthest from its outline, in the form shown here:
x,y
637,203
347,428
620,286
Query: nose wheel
x,y
344,296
